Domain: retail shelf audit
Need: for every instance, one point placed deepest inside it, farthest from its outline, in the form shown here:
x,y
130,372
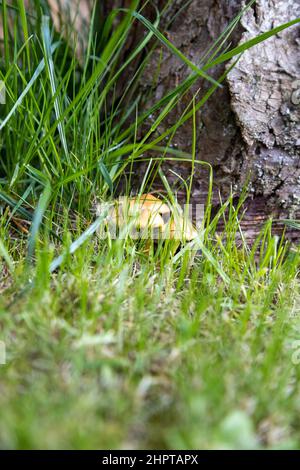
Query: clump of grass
x,y
108,346
62,124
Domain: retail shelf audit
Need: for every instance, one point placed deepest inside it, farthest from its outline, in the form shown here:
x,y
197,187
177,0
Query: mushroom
x,y
151,217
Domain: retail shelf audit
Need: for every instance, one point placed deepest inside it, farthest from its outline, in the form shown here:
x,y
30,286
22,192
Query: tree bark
x,y
265,90
248,130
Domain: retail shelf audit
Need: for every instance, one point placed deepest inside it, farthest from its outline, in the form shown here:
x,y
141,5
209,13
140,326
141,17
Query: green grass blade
x,y
106,176
33,79
15,205
37,220
5,255
51,72
23,18
5,33
56,263
224,36
172,48
249,44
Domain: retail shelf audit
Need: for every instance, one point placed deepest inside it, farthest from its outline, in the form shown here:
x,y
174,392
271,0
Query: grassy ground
x,y
120,351
118,348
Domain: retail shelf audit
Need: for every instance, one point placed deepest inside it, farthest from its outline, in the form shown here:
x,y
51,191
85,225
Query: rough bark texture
x,y
251,126
218,137
264,91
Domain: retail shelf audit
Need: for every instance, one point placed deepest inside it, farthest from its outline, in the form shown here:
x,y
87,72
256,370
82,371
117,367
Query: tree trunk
x,y
249,129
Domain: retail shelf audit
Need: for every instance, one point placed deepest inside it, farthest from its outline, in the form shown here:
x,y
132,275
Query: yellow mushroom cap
x,y
153,204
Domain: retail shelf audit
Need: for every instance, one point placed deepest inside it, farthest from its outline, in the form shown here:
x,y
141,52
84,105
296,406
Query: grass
x,y
109,346
122,350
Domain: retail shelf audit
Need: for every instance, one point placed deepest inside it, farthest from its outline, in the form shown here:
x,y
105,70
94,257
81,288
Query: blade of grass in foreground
x,y
249,44
57,262
50,68
15,205
5,255
77,243
172,48
198,244
37,220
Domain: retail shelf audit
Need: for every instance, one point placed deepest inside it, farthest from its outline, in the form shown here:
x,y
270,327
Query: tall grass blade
x,y
51,72
173,49
37,220
22,12
249,44
33,79
5,255
77,243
